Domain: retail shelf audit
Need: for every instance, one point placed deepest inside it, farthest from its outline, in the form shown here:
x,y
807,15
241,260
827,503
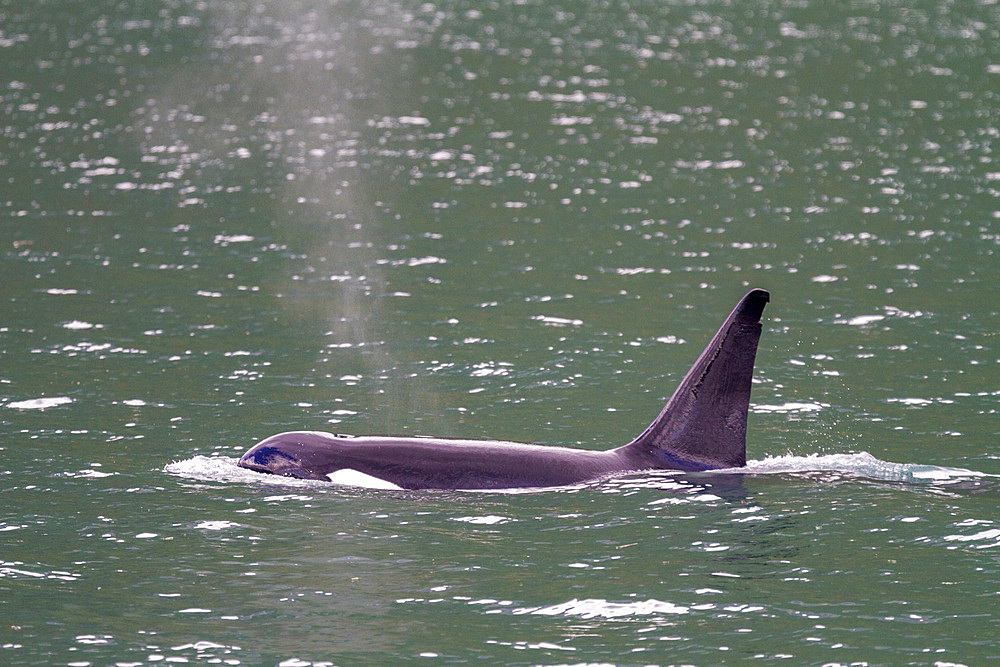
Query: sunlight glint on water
x,y
522,221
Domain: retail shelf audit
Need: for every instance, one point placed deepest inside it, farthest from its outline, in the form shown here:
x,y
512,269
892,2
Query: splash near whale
x,y
702,427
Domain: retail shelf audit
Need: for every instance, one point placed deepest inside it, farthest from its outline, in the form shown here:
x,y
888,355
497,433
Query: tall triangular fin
x,y
704,424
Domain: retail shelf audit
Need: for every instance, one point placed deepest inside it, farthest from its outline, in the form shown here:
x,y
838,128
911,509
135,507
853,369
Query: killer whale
x,y
702,427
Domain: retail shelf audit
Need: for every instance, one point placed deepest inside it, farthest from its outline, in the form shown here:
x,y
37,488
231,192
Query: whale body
x,y
702,427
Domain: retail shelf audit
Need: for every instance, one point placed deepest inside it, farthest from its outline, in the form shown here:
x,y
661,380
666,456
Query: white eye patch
x,y
349,477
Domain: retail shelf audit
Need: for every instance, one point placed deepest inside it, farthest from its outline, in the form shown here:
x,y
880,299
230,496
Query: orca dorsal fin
x,y
704,424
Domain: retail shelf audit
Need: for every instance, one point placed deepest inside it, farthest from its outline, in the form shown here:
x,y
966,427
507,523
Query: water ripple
x,y
864,465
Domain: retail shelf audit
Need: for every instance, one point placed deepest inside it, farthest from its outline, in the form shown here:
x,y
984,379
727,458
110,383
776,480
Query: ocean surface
x,y
522,221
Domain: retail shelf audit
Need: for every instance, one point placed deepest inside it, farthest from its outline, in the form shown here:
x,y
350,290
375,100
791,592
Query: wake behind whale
x,y
856,467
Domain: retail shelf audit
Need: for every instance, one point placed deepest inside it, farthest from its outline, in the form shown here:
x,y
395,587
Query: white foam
x,y
488,520
552,321
791,407
599,608
862,320
217,469
216,525
79,325
986,535
862,464
40,403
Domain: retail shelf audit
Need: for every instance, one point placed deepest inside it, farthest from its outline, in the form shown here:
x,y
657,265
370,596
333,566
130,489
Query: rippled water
x,y
221,220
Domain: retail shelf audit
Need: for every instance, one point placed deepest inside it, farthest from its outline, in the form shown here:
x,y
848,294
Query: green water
x,y
221,220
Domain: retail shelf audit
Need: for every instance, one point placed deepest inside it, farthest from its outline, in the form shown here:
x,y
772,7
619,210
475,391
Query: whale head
x,y
293,454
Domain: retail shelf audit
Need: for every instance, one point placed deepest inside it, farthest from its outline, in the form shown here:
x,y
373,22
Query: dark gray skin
x,y
702,427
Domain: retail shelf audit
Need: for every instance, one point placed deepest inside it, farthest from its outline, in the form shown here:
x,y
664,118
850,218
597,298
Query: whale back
x,y
704,424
